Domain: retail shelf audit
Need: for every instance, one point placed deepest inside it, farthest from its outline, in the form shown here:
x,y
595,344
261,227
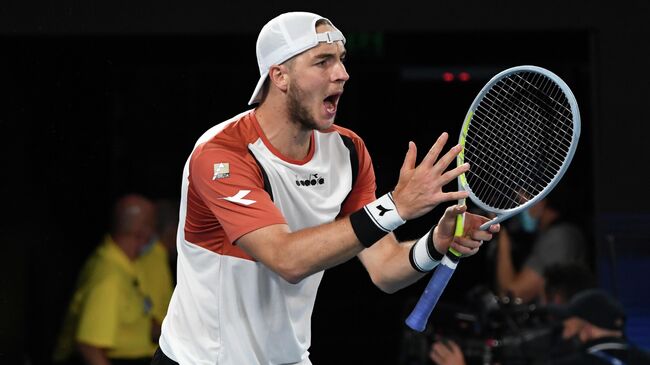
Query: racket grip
x,y
419,317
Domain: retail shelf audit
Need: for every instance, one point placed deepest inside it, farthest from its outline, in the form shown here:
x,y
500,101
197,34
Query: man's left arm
x,y
391,264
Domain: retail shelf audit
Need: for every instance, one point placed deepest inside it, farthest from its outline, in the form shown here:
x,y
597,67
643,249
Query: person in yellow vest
x,y
122,293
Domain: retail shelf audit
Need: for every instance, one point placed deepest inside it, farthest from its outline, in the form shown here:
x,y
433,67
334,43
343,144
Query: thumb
x,y
448,220
453,211
409,160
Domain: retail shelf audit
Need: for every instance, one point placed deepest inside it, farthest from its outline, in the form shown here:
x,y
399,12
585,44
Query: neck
x,y
128,246
286,135
548,217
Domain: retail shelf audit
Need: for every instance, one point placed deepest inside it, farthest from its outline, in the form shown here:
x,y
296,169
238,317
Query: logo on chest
x,y
310,180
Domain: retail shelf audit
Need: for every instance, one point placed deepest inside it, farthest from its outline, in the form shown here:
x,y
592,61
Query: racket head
x,y
529,95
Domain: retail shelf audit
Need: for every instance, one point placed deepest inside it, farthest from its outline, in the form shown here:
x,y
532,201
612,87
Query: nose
x,y
340,73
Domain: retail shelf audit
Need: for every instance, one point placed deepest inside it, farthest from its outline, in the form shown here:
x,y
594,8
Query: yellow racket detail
x,y
462,181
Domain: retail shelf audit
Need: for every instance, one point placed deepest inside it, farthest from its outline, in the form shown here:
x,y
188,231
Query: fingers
x,y
479,235
454,195
455,210
439,352
447,159
435,356
435,150
411,156
466,246
454,173
446,353
448,220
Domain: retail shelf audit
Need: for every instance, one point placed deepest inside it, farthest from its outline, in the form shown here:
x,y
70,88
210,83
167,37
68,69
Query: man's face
x,y
316,79
145,225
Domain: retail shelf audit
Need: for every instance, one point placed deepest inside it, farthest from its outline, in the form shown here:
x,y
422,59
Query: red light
x,y
447,77
464,76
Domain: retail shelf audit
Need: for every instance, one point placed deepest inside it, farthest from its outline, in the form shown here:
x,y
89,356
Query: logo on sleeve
x,y
221,170
239,198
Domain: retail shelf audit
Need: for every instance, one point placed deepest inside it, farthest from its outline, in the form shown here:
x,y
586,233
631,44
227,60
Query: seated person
x,y
557,240
596,321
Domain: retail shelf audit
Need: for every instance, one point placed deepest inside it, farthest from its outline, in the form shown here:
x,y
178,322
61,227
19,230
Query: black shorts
x,y
159,358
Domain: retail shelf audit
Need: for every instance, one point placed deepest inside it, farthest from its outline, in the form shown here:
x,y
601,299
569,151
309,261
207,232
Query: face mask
x,y
148,246
528,223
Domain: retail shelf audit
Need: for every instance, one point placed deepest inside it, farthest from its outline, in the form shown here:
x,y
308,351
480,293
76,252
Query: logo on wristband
x,y
383,210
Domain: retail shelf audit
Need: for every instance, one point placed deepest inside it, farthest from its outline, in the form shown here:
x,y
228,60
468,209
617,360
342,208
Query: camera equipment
x,y
492,330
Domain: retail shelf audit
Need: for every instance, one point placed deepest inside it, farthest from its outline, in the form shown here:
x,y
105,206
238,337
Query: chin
x,y
325,123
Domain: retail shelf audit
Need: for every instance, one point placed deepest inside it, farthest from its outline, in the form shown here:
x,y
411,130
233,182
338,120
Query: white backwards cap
x,y
285,36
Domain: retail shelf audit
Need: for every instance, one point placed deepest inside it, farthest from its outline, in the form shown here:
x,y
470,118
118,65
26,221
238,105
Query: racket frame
x,y
503,214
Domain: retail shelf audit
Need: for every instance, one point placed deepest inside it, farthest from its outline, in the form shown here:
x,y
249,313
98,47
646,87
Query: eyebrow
x,y
329,55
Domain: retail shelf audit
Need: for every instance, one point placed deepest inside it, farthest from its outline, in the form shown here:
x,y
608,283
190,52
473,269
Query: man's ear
x,y
279,76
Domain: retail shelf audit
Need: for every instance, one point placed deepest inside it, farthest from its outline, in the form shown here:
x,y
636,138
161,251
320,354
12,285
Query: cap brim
x,y
258,89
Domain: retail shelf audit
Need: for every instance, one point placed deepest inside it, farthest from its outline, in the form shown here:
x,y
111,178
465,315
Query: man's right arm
x,y
296,255
525,284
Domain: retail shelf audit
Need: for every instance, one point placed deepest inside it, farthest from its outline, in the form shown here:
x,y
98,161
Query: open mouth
x,y
331,102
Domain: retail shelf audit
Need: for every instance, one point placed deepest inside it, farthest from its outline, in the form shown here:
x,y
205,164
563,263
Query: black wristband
x,y
423,255
375,220
431,248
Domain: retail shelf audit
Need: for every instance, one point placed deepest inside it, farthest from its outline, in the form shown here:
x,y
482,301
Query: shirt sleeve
x,y
363,191
98,317
231,185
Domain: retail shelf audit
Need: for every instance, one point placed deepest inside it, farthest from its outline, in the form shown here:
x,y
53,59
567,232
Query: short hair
x,y
127,210
567,279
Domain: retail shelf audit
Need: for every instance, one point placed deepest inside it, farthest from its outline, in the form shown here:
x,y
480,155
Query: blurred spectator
x,y
121,295
557,240
563,280
596,321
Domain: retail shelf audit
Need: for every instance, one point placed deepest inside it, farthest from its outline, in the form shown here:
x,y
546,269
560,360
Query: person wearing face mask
x,y
554,239
121,295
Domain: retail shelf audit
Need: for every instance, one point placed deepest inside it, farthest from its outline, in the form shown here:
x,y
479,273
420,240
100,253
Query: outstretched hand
x,y
419,188
446,353
472,238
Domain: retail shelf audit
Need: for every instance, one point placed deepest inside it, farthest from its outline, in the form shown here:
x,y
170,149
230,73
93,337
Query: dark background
x,y
103,99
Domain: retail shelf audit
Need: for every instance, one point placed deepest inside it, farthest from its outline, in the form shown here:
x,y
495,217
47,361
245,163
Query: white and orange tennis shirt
x,y
228,308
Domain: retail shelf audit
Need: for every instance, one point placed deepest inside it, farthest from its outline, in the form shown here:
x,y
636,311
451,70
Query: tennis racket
x,y
519,137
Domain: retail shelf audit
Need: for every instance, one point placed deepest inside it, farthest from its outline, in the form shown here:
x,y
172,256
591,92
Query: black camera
x,y
490,330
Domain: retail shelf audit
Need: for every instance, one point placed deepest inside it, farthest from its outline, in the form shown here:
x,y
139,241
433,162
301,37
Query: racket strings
x,y
518,139
534,115
475,146
500,180
534,119
557,96
528,187
518,136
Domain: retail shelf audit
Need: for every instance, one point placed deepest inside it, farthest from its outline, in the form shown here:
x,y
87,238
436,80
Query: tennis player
x,y
276,195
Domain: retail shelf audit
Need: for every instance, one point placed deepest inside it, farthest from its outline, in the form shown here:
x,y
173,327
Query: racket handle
x,y
419,317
